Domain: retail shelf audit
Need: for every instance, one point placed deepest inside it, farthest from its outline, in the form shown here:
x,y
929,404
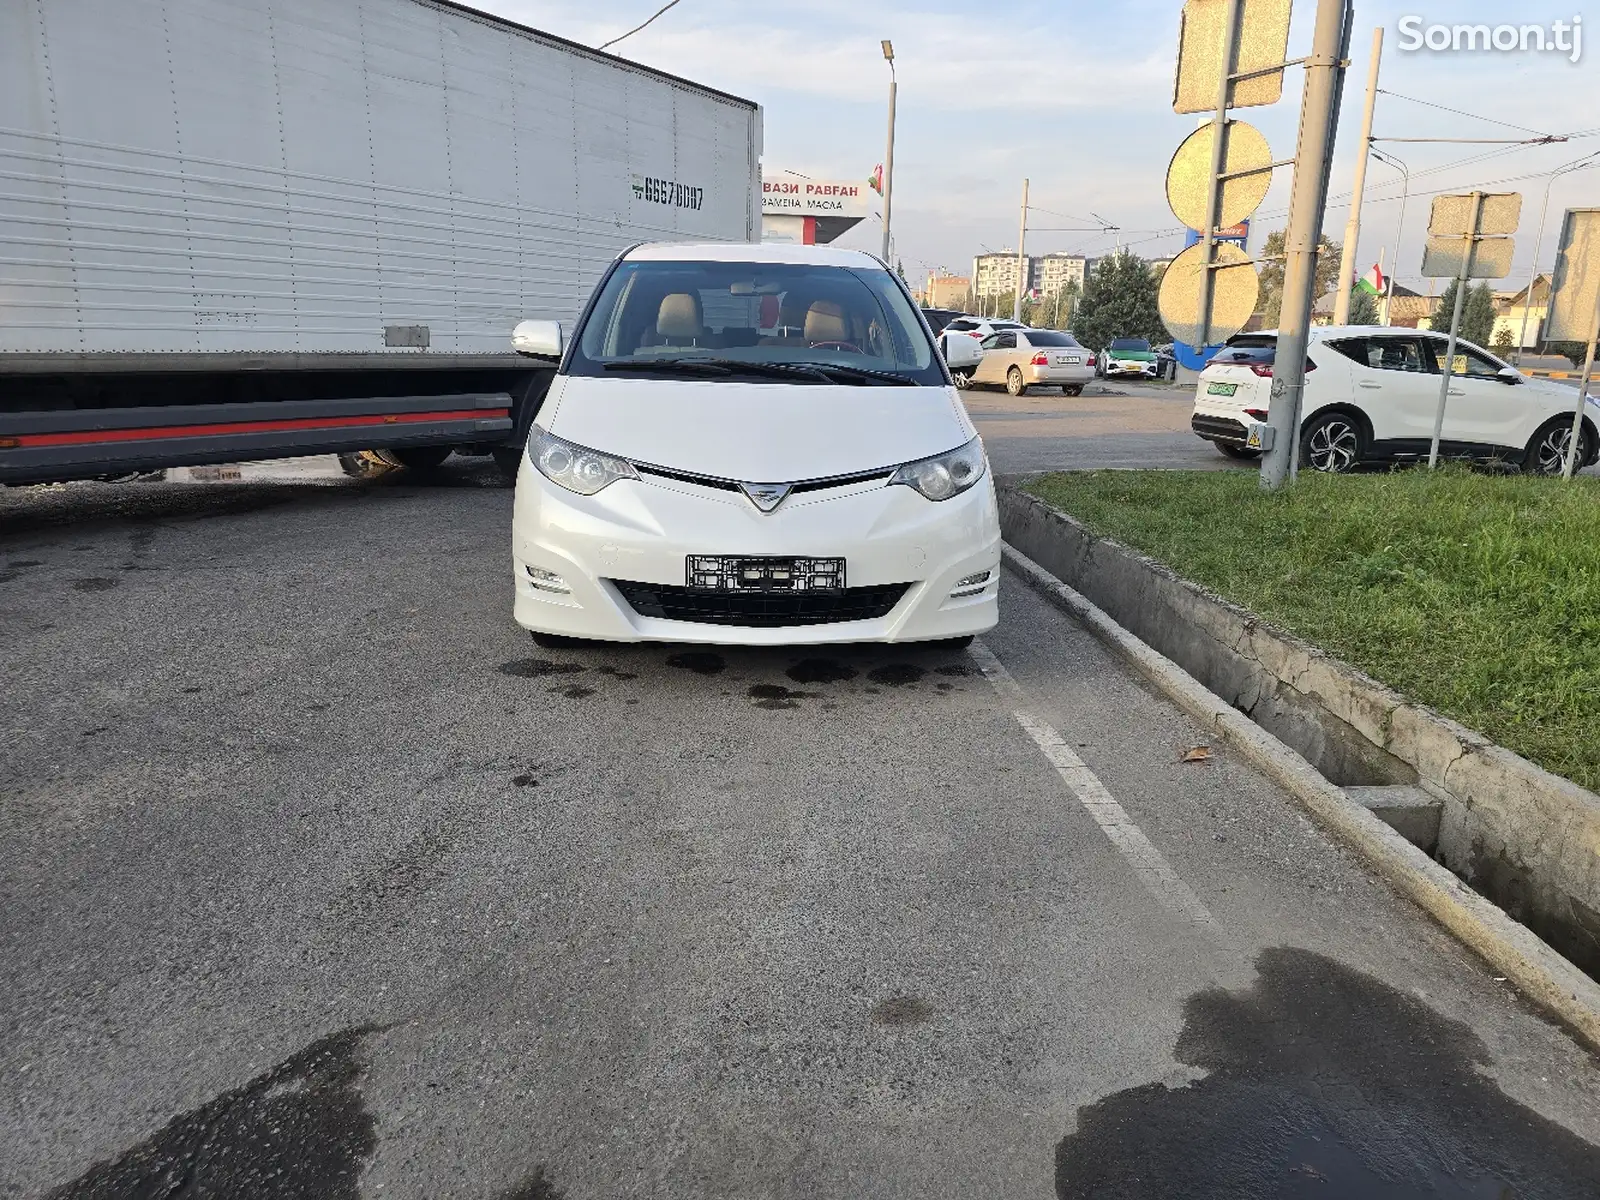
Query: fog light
x,y
546,581
971,585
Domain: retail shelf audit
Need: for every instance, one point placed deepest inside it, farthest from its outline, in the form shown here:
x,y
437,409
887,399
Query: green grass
x,y
1476,594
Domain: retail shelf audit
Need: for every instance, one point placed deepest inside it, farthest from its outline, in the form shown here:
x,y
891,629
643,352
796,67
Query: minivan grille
x,y
761,610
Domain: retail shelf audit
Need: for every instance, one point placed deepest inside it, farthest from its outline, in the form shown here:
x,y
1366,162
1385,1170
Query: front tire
x,y
1244,453
1547,450
1332,443
963,379
1015,384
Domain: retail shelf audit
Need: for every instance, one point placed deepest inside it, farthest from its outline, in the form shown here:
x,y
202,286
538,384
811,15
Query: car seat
x,y
678,320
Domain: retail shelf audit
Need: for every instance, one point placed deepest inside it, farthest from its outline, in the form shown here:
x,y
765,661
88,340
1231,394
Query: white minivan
x,y
1372,394
752,444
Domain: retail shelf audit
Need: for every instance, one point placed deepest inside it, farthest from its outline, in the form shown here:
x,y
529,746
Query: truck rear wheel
x,y
418,458
508,459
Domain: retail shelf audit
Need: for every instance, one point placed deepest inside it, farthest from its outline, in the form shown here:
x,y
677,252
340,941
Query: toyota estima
x,y
752,444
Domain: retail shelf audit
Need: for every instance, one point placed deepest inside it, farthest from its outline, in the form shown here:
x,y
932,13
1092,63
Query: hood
x,y
1139,355
1563,392
757,432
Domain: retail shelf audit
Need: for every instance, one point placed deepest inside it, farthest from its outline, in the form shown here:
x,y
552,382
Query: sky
x,y
1076,97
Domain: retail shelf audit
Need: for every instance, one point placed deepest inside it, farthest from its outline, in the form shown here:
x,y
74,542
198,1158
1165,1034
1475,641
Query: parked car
x,y
959,343
1128,357
752,444
1018,359
1371,396
1166,362
938,318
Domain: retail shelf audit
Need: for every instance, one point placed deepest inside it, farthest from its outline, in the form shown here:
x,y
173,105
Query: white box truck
x,y
240,229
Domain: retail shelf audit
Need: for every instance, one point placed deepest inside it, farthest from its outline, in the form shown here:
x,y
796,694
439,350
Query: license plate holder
x,y
1221,389
764,574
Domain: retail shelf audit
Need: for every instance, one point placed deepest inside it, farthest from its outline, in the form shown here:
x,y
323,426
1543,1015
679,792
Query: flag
x,y
875,180
1373,283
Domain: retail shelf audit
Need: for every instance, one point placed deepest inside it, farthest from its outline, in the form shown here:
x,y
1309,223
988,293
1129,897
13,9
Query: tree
x,y
1271,258
1119,300
1363,307
1504,341
1477,313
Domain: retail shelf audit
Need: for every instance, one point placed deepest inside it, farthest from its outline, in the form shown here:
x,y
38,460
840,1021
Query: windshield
x,y
1048,337
1138,345
740,320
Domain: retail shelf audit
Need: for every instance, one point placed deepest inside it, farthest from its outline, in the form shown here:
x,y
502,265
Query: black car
x,y
938,318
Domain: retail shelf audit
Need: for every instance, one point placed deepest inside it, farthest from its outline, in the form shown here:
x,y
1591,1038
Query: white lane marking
x,y
1153,870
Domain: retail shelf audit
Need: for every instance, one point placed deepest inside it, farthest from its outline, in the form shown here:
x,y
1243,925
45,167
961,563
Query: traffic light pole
x,y
1319,121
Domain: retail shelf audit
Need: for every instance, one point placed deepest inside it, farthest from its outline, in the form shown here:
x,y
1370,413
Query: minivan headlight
x,y
576,468
944,475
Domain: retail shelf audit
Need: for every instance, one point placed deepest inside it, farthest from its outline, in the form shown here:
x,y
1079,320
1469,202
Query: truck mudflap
x,y
87,443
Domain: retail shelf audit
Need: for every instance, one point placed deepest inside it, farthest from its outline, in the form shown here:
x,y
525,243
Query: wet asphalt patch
x,y
1323,1082
821,670
700,662
897,674
300,1131
538,668
93,584
901,1012
776,696
573,691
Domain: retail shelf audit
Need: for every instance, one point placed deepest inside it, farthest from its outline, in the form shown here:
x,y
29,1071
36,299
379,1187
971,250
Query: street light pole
x,y
1399,225
1352,229
888,155
1022,257
1577,164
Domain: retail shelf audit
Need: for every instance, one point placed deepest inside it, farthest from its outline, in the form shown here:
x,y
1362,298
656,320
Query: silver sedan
x,y
1022,358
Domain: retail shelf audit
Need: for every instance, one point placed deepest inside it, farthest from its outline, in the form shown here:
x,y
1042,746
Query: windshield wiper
x,y
689,366
839,371
811,372
721,366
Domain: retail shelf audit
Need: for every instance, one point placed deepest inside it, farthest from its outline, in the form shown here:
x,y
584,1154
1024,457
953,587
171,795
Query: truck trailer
x,y
247,229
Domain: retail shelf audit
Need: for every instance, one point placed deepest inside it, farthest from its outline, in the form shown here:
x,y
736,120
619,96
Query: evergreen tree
x,y
1270,305
1477,313
1363,307
1119,300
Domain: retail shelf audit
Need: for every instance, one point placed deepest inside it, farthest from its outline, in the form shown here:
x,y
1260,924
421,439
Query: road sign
x,y
1234,291
1444,258
1189,179
1576,286
1452,215
1263,42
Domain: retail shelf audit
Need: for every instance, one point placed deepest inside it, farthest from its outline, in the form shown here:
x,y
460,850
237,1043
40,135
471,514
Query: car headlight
x,y
944,475
576,468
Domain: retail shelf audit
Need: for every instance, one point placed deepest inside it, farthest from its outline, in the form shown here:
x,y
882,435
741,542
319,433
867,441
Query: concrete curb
x,y
1511,948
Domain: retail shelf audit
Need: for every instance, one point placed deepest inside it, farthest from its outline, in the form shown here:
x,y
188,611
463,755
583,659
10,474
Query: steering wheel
x,y
849,347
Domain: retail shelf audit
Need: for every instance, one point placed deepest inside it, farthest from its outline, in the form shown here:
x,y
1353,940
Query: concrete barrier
x,y
1526,839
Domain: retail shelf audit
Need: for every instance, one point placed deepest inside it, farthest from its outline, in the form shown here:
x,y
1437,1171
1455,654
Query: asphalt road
x,y
317,878
1112,425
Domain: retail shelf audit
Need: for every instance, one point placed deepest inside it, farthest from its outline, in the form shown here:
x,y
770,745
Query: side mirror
x,y
1509,375
540,339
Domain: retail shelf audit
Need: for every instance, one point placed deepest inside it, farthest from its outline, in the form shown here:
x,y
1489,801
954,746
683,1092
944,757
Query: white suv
x,y
1371,394
959,343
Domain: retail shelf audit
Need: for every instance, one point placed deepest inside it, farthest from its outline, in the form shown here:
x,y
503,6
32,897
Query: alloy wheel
x,y
1551,456
1333,446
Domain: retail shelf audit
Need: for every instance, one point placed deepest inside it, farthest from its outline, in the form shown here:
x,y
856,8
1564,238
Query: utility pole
x,y
888,155
1352,229
1022,257
1319,122
1463,281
